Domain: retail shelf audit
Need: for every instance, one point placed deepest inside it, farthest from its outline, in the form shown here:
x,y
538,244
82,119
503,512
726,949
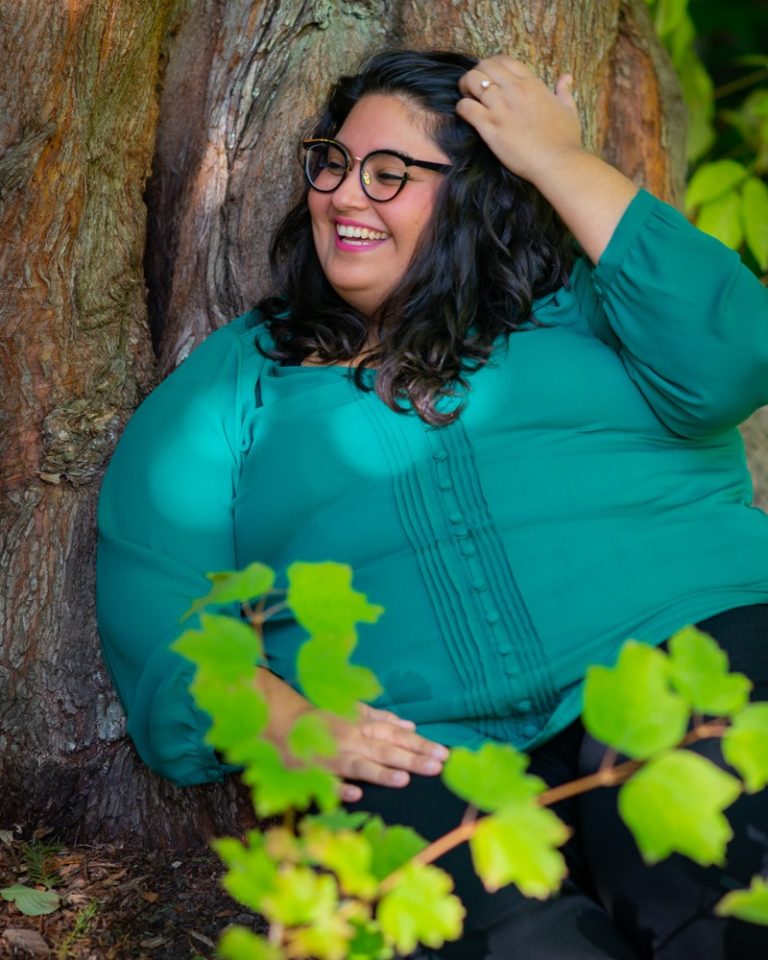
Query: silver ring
x,y
485,84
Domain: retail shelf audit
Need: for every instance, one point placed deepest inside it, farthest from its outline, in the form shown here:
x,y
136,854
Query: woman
x,y
525,456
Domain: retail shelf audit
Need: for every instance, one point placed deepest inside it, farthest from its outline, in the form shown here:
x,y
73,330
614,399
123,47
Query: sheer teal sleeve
x,y
690,321
165,520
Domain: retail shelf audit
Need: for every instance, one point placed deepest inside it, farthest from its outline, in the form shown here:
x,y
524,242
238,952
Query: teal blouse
x,y
594,489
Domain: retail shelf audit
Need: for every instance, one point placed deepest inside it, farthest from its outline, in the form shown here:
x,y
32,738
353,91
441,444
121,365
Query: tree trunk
x,y
239,80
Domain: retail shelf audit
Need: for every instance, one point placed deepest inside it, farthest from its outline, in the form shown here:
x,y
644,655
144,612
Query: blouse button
x,y
530,730
440,454
455,518
468,549
523,706
492,616
445,484
479,585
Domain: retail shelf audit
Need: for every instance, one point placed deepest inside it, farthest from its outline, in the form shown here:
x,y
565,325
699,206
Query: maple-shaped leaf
x,y
235,586
674,804
239,943
277,788
699,671
326,939
301,895
323,600
420,909
348,854
492,777
750,905
631,707
391,847
252,873
238,709
311,737
745,745
223,645
339,819
519,845
368,942
328,679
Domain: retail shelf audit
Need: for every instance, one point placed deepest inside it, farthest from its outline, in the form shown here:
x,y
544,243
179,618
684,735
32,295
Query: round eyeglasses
x,y
383,173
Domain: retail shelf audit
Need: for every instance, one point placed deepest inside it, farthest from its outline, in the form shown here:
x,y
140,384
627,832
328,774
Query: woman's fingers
x,y
379,750
528,126
374,713
350,792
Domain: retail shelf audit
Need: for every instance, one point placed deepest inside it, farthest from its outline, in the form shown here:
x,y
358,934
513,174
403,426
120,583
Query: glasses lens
x,y
326,166
383,175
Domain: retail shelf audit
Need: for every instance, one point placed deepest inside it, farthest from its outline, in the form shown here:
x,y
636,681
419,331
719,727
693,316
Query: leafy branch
x,y
336,885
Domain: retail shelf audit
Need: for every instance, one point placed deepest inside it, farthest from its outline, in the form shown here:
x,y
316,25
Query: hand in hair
x,y
523,122
536,134
377,747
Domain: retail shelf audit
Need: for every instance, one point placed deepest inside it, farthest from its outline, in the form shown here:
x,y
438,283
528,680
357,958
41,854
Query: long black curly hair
x,y
493,244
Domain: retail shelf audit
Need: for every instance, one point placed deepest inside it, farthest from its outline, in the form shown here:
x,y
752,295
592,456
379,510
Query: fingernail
x,y
432,766
441,752
398,779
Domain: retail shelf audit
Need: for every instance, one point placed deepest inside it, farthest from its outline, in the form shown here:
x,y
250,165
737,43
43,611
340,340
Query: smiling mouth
x,y
359,234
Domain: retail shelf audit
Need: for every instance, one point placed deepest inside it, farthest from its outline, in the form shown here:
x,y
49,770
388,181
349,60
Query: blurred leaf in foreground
x,y
631,707
519,845
745,745
750,905
492,777
674,804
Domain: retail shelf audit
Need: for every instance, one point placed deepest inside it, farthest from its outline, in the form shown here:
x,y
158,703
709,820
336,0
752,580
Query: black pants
x,y
611,905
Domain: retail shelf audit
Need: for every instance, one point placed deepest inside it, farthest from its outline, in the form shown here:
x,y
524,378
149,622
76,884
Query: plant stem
x,y
607,775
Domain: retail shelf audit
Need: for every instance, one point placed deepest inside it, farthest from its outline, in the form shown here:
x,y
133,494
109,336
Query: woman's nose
x,y
350,192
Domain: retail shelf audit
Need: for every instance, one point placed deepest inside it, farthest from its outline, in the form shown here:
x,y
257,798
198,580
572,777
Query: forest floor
x,y
115,904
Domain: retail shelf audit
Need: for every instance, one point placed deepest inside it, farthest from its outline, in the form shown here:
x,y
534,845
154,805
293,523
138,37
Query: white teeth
x,y
359,233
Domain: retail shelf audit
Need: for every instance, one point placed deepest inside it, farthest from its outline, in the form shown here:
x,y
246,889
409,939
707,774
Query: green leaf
x,y
323,601
339,819
391,847
327,939
301,895
491,777
722,219
311,737
674,804
699,671
669,14
712,181
750,905
32,903
235,586
239,943
349,855
368,943
631,706
277,788
519,845
328,679
421,909
755,212
251,874
238,709
745,746
224,645
698,93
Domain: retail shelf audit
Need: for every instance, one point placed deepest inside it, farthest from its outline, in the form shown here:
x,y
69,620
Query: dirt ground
x,y
116,904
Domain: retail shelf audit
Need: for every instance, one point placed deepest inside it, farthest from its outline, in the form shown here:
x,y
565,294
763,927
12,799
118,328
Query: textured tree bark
x,y
239,80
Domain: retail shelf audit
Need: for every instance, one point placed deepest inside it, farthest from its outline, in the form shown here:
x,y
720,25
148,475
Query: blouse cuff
x,y
640,209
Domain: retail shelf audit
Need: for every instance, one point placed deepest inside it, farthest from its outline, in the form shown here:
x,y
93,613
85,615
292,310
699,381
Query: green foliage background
x,y
720,52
